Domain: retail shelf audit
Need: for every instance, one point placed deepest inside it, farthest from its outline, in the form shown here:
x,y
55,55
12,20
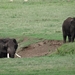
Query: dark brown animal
x,y
68,29
8,47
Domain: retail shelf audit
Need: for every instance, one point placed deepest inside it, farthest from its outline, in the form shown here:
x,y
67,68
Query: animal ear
x,y
14,40
73,21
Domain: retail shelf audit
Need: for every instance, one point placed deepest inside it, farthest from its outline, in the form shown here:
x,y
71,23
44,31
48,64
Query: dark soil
x,y
44,47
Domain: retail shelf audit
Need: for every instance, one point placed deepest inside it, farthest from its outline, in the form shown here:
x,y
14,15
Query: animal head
x,y
8,46
12,43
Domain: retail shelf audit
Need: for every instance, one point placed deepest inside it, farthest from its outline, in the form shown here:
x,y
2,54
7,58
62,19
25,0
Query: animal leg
x,y
69,38
72,39
64,38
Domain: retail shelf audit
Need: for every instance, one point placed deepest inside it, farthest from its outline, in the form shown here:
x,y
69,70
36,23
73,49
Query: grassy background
x,y
37,19
48,65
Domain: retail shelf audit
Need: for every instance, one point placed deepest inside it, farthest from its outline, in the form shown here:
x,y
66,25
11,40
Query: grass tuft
x,y
68,48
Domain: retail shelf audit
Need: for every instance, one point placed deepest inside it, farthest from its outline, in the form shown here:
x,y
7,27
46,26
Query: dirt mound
x,y
44,47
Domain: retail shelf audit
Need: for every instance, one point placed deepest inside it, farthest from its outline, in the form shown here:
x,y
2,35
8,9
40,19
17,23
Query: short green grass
x,y
48,65
65,49
37,19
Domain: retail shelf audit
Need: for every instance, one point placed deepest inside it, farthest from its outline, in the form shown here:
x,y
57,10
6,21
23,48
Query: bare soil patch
x,y
44,47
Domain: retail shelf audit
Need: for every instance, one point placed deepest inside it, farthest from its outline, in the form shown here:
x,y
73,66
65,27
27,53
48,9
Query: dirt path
x,y
44,47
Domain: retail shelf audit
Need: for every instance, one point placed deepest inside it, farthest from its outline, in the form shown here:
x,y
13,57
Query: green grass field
x,y
37,19
48,65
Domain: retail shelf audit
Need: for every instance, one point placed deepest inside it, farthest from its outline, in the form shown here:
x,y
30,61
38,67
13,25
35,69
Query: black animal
x,y
3,50
8,47
68,29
